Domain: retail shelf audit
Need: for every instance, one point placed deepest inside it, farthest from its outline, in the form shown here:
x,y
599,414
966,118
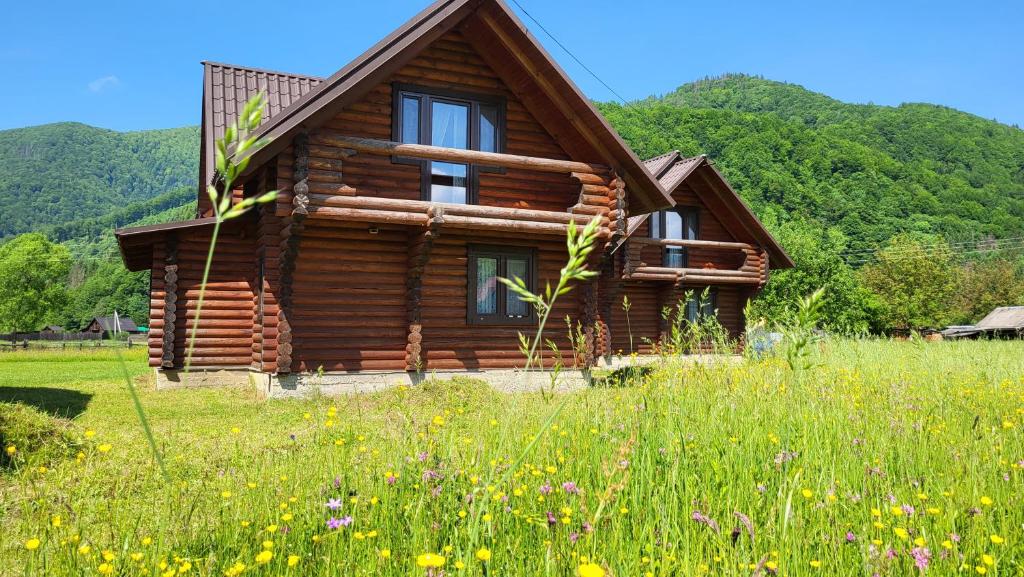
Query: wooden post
x,y
291,236
170,301
420,245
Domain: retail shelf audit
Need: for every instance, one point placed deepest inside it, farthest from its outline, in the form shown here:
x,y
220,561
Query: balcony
x,y
753,268
601,191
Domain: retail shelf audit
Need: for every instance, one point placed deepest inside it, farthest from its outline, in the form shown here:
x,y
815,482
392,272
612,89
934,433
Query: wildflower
x,y
815,563
147,540
438,420
105,448
32,544
988,560
268,544
900,532
105,569
82,550
460,565
850,537
807,493
235,569
293,560
264,557
55,521
947,544
333,504
986,501
385,553
545,489
591,570
391,478
11,450
225,494
570,487
921,557
90,434
981,569
484,554
430,560
996,539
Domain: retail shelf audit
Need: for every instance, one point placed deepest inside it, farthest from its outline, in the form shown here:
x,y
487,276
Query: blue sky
x,y
135,65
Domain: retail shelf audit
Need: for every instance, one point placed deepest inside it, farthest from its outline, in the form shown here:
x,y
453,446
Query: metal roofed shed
x,y
1006,322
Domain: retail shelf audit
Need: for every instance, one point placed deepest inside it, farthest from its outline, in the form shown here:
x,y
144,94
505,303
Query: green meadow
x,y
888,458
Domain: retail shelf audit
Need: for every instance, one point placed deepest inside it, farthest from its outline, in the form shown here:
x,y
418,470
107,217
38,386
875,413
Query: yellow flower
x,y
807,493
90,434
235,430
136,557
591,570
996,539
293,560
264,557
225,494
815,563
185,567
876,512
484,554
920,542
986,501
460,565
385,553
438,420
268,544
988,560
287,517
105,448
147,540
947,544
32,544
271,529
981,570
55,521
431,560
108,555
900,532
83,550
105,568
896,511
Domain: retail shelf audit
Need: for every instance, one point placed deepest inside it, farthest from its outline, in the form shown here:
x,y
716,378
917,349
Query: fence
x,y
62,336
66,340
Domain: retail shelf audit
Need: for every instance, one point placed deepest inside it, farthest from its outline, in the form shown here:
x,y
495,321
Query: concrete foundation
x,y
336,384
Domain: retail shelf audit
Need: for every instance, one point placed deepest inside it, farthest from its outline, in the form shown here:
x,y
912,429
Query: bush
x,y
30,437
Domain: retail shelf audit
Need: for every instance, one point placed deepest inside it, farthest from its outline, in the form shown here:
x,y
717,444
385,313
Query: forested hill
x,y
58,173
872,171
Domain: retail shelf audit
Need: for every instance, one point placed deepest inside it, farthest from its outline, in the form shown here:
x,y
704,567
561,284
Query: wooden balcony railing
x,y
753,271
601,191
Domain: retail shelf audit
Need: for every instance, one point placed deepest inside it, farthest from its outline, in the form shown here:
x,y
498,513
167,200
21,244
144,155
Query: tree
x,y
33,277
107,288
847,306
915,278
987,284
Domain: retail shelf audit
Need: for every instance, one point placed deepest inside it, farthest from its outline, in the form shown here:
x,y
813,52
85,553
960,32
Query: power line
x,y
952,245
569,52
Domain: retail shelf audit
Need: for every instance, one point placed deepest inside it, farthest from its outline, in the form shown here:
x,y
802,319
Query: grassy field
x,y
888,458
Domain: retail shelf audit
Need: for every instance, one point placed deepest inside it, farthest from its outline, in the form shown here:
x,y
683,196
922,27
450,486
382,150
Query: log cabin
x,y
453,152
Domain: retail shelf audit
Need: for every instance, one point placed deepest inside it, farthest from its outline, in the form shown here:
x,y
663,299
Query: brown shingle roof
x,y
226,88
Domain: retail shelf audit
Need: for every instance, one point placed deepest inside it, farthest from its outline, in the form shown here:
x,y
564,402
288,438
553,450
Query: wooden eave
x,y
136,243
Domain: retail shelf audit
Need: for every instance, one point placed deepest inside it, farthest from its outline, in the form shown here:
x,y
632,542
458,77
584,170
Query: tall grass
x,y
881,458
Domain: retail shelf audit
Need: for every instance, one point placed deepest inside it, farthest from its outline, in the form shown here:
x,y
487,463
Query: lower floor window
x,y
489,300
702,305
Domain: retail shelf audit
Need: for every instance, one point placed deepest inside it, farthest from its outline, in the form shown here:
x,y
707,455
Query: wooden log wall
x,y
225,333
349,298
452,64
450,343
647,300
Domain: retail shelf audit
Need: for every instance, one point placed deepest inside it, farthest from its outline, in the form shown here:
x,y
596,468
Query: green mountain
x,y
872,171
60,173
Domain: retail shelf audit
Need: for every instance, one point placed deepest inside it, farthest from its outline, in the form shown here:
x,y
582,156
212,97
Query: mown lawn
x,y
889,458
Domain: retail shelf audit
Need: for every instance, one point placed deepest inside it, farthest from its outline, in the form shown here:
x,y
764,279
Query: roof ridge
x,y
261,70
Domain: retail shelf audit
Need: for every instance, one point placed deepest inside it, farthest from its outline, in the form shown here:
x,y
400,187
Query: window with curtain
x,y
678,223
452,120
702,305
489,300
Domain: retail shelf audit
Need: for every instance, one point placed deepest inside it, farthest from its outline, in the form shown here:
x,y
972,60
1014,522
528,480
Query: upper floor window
x,y
679,223
453,120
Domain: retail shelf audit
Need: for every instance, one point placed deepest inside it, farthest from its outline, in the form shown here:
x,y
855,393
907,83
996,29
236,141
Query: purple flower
x,y
954,537
921,557
391,478
571,488
587,528
346,520
850,537
337,482
333,504
573,537
551,519
333,523
423,456
909,510
891,553
545,489
761,488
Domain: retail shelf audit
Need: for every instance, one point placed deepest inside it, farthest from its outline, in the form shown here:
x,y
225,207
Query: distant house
x,y
51,330
107,326
1003,322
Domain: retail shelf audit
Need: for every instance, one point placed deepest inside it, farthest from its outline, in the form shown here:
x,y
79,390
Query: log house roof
x,y
502,40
